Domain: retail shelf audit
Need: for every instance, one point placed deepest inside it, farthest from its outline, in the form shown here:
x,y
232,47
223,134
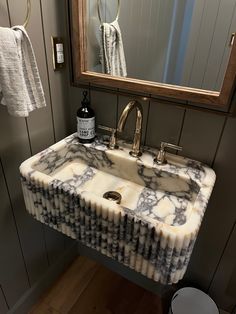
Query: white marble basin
x,y
152,230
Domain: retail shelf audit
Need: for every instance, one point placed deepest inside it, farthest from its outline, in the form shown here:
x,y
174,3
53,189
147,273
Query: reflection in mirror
x,y
185,43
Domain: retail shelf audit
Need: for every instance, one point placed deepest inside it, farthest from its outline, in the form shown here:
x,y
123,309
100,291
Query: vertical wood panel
x,y
127,26
110,7
74,104
14,148
54,244
201,134
164,124
205,36
13,276
54,22
17,137
223,289
140,60
220,214
193,40
224,61
3,305
93,43
39,121
4,18
223,201
105,107
208,45
181,18
139,44
220,49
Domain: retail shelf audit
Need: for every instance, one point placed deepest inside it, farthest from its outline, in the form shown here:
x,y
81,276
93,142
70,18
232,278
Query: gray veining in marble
x,y
154,228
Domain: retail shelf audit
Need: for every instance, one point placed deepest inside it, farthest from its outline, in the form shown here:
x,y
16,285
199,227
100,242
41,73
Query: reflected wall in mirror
x,y
177,49
185,43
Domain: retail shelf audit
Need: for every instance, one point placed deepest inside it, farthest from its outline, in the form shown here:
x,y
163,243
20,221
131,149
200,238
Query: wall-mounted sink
x,y
154,227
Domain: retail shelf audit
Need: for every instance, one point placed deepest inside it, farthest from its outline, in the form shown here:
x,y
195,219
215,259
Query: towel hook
x,y
27,18
99,12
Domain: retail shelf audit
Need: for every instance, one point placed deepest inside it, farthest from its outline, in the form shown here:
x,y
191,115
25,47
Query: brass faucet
x,y
133,104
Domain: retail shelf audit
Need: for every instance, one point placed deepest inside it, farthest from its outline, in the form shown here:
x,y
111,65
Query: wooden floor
x,y
89,288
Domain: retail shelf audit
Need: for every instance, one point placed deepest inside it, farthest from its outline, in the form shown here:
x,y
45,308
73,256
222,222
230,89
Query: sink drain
x,y
112,196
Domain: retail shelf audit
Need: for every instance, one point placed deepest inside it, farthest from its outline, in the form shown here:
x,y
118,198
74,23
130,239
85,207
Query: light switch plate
x,y
58,53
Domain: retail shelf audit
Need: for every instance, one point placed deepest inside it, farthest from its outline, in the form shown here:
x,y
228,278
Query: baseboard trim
x,y
26,302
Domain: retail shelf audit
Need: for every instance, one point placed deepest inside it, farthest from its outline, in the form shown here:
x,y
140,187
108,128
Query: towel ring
x,y
27,18
99,12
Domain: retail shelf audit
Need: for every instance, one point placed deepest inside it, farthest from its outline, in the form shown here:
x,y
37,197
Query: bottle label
x,y
86,128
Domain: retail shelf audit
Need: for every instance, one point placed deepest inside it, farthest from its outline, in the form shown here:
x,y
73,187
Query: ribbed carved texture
x,y
119,235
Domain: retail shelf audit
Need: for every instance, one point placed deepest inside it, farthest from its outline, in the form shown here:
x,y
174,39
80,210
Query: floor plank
x,y
89,288
43,308
69,287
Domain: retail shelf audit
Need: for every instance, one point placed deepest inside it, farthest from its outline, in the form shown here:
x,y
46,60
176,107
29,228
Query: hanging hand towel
x,y
112,50
20,84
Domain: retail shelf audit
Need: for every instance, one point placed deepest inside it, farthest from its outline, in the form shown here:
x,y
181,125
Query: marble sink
x,y
152,230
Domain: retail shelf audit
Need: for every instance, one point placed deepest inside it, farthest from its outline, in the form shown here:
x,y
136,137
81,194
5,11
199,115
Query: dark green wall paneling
x,y
27,247
13,274
3,305
203,138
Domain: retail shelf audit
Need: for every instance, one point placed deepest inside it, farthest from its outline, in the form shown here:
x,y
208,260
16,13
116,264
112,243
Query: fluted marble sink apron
x,y
152,230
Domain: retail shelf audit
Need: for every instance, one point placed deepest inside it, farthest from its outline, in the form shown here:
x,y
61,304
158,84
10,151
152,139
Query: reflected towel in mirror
x,y
20,85
112,50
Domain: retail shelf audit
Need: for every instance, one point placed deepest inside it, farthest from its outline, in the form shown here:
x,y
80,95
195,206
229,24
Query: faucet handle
x,y
160,158
106,128
169,145
113,139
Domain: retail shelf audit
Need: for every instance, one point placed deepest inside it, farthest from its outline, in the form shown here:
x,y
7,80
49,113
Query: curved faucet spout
x,y
133,104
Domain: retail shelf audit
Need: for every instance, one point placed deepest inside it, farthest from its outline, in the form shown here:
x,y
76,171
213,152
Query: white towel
x,y
20,84
112,50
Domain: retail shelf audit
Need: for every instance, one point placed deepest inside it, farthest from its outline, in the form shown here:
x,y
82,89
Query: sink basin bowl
x,y
154,227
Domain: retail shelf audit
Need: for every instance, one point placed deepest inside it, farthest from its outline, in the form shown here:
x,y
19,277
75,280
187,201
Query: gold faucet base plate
x,y
133,154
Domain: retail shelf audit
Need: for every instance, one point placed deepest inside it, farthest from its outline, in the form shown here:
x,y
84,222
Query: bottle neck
x,y
85,105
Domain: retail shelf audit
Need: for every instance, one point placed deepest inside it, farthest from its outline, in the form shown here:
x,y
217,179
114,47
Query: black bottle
x,y
85,121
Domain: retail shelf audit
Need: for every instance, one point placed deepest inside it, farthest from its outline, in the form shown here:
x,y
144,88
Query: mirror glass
x,y
177,42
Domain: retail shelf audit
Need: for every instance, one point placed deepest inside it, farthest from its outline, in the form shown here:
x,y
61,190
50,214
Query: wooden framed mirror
x,y
193,38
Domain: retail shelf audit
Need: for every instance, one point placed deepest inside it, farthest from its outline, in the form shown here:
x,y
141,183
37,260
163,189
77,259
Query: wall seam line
x,y
4,296
182,127
30,144
51,107
221,256
8,10
155,98
209,52
219,142
197,45
45,244
15,223
47,66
